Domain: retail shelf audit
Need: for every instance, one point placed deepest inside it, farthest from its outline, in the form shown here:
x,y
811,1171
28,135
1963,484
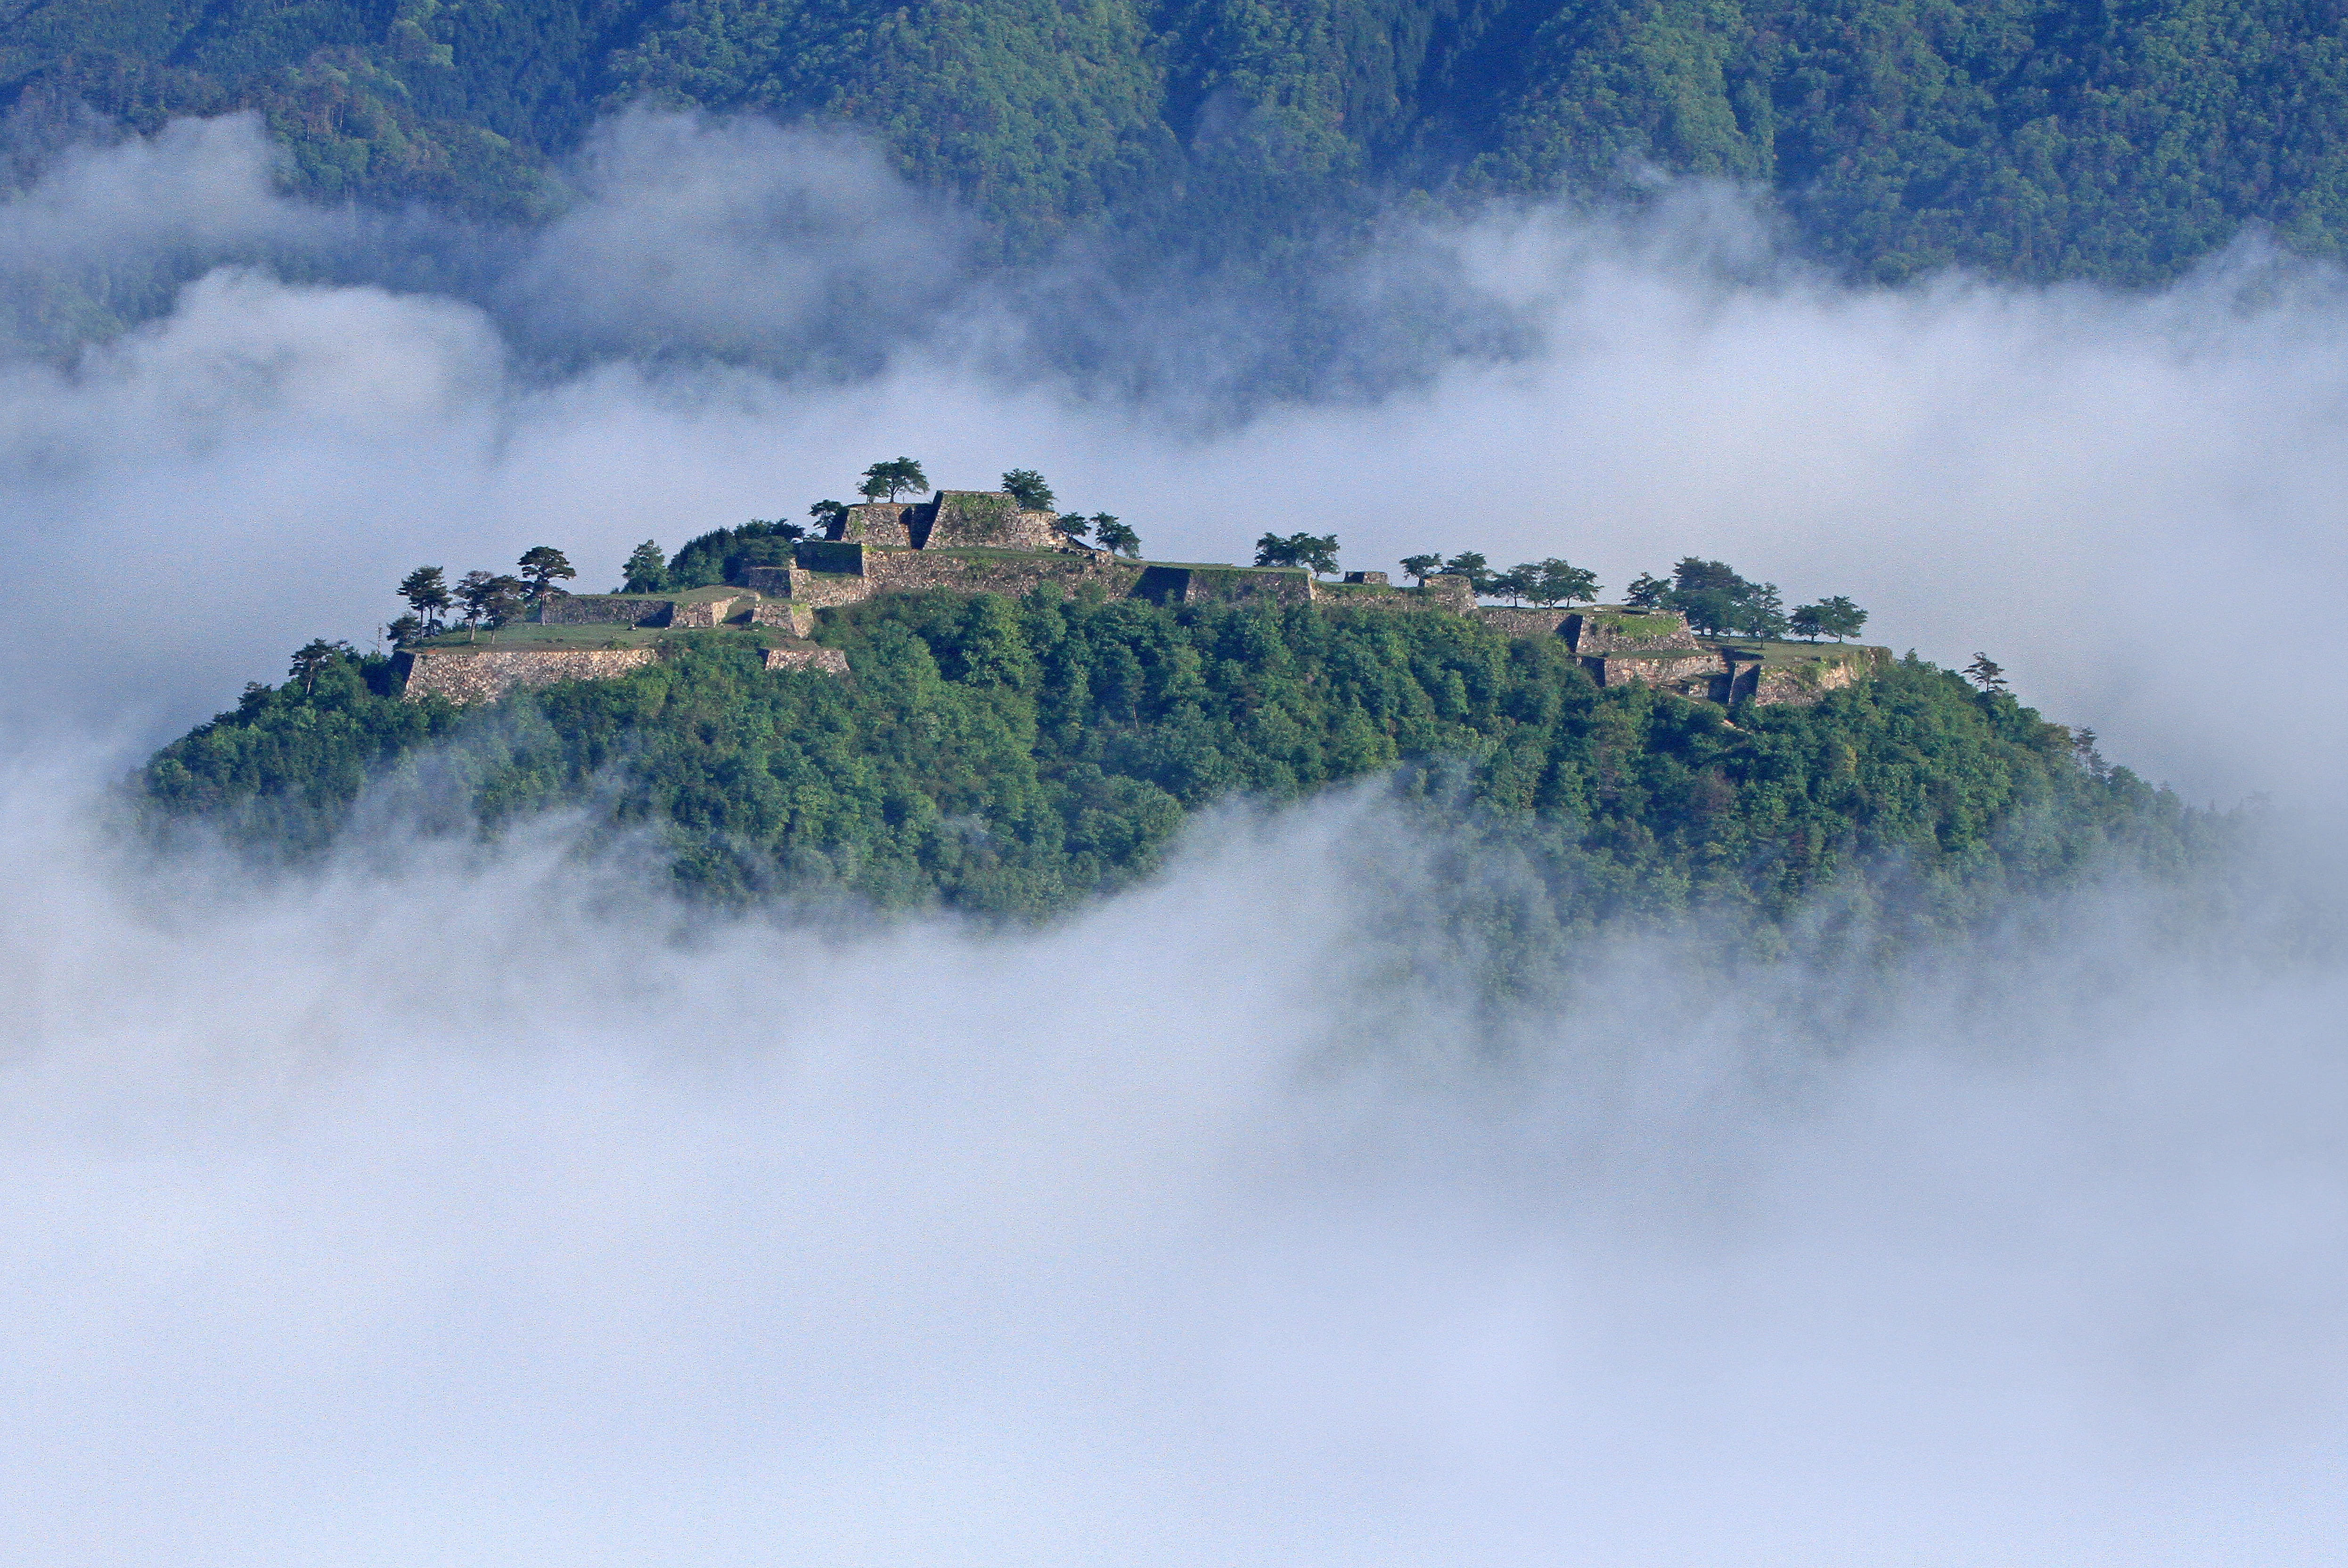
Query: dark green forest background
x,y
2038,138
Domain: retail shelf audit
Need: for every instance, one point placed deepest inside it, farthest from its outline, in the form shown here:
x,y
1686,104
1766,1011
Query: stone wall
x,y
1224,585
879,522
989,519
1515,623
986,571
791,615
706,612
466,675
814,590
1671,669
1626,632
1802,684
828,661
604,610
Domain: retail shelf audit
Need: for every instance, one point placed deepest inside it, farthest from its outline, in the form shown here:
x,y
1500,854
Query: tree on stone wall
x,y
1471,564
1075,525
1028,489
1419,568
427,593
883,481
1553,581
1316,552
1837,617
1761,612
488,598
646,571
541,565
1111,534
1648,592
829,515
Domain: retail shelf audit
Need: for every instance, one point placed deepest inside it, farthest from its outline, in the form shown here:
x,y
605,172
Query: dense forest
x,y
2042,138
1016,756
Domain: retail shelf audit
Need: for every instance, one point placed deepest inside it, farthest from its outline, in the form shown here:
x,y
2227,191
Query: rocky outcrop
x,y
467,676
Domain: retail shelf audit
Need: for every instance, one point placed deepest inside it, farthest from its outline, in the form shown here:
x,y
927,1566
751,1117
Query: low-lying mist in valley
x,y
458,1200
463,1203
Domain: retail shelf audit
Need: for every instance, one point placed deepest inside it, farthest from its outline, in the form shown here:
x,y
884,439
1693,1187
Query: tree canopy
x,y
886,480
2035,138
1028,488
1015,755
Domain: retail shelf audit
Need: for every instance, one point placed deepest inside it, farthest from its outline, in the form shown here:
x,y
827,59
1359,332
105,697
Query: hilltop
x,y
1015,726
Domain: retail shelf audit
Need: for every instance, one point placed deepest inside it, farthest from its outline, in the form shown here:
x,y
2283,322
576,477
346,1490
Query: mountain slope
x,y
2042,138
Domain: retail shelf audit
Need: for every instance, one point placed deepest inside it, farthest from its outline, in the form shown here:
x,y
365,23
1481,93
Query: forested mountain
x,y
2039,137
1017,757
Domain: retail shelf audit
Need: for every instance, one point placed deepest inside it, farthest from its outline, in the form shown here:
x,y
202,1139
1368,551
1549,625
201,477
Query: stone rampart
x,y
879,522
466,675
814,590
988,519
1800,684
1355,596
1009,572
1626,631
1516,623
790,615
827,661
705,613
604,610
1224,585
1668,668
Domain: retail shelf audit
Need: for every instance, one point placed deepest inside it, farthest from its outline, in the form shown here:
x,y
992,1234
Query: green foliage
x,y
2038,138
1015,757
883,480
646,571
1111,534
426,588
1028,489
542,566
1836,617
723,555
1317,552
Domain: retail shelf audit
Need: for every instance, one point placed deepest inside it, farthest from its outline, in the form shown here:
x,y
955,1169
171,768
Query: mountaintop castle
x,y
984,542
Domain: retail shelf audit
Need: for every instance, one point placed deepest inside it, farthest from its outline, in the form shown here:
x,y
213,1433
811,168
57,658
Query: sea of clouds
x,y
454,1203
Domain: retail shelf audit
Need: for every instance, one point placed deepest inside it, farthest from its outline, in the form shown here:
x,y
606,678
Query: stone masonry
x,y
466,675
605,610
829,661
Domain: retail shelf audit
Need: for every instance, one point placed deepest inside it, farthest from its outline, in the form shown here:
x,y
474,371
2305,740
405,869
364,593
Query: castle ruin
x,y
984,542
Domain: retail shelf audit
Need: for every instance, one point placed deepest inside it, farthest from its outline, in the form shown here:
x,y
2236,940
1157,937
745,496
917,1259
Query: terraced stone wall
x,y
1617,632
605,610
467,676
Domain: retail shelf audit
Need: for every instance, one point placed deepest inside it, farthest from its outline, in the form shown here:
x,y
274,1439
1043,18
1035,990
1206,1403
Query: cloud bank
x,y
2120,496
455,1205
466,1212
